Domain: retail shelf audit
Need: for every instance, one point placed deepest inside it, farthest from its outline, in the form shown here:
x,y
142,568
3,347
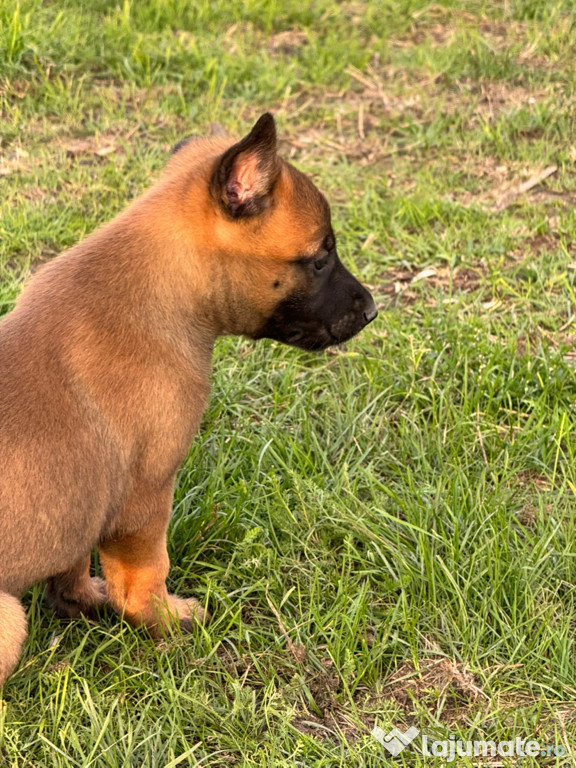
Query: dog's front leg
x,y
136,564
75,592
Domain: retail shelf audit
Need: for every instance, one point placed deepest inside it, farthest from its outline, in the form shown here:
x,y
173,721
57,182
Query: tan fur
x,y
104,376
12,633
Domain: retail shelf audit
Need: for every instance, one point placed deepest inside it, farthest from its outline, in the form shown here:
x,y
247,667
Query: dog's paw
x,y
191,613
186,613
85,600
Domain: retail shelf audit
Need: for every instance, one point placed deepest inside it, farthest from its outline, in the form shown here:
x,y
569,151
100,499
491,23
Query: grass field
x,y
385,533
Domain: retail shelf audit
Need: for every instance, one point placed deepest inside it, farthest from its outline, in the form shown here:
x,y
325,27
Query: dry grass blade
x,y
297,651
513,193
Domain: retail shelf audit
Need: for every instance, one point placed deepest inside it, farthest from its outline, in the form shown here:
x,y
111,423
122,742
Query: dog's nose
x,y
370,312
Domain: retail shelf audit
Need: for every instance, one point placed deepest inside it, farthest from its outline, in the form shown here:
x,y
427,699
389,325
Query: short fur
x,y
105,365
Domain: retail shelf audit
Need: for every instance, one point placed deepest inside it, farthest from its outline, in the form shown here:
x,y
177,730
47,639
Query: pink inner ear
x,y
244,177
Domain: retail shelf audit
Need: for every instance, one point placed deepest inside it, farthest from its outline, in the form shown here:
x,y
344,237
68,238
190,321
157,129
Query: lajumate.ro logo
x,y
395,741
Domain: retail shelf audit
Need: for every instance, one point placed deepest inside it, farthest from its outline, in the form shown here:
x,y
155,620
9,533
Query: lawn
x,y
385,533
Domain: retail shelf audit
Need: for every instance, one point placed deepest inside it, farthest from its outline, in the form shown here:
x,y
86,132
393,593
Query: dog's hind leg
x,y
12,633
75,592
136,566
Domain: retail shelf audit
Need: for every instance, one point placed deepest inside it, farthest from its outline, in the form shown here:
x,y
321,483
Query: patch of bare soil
x,y
533,244
445,688
399,283
13,160
101,146
441,685
495,98
505,186
14,89
287,42
337,725
438,26
510,192
366,126
530,480
380,93
528,515
435,35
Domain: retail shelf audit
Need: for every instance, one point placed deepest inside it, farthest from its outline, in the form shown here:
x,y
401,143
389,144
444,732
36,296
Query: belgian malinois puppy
x,y
105,366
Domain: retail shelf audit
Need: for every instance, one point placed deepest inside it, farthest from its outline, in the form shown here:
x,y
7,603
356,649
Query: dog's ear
x,y
244,176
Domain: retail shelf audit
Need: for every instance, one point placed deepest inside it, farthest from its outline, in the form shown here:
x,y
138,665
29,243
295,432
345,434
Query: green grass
x,y
385,533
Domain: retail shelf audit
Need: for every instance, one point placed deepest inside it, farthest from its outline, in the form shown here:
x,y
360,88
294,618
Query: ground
x,y
385,533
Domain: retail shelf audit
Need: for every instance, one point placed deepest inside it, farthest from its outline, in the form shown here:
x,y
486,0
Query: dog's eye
x,y
320,263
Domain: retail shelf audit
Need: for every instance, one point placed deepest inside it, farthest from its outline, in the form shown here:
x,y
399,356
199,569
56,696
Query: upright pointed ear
x,y
243,178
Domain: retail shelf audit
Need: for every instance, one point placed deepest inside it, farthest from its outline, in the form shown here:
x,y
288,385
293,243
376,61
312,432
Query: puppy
x,y
105,367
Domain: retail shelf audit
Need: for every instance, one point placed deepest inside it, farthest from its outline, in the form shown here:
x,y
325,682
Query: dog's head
x,y
274,249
